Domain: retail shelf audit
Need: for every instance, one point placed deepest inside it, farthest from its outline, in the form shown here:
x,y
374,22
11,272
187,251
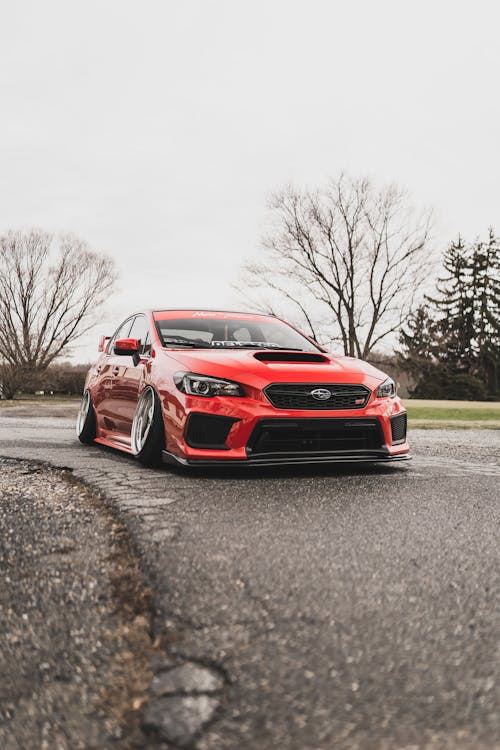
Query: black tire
x,y
148,449
85,423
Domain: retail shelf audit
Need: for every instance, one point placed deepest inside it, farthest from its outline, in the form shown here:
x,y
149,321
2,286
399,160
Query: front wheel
x,y
85,422
148,433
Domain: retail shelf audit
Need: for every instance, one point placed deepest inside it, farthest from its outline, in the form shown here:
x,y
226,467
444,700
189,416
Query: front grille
x,y
315,436
398,428
298,396
208,431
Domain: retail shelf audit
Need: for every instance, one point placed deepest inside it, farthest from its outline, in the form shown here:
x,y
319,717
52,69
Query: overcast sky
x,y
157,129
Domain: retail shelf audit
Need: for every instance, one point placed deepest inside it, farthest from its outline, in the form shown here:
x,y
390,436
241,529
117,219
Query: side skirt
x,y
114,444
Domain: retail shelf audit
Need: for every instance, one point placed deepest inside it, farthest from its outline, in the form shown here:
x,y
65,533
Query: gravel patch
x,y
74,617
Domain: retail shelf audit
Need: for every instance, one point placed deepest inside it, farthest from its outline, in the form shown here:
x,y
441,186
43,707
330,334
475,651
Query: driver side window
x,y
120,333
140,330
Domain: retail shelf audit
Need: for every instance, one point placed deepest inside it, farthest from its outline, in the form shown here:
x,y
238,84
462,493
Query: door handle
x,y
116,370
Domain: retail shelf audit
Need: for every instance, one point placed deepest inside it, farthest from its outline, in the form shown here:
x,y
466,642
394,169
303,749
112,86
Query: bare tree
x,y
50,294
349,258
11,380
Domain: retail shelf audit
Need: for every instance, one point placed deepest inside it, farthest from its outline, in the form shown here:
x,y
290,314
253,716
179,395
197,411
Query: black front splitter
x,y
171,458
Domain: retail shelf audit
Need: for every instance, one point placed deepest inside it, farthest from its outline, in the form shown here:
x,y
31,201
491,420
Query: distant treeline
x,y
63,379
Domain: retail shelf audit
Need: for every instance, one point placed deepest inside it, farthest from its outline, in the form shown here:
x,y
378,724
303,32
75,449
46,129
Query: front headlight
x,y
387,389
204,385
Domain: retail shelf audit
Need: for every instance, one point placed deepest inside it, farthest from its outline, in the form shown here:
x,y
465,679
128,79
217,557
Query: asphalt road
x,y
352,609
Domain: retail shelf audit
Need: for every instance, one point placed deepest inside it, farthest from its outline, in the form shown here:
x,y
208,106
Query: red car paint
x,y
116,381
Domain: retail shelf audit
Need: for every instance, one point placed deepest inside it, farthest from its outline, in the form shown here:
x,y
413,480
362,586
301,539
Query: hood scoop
x,y
292,356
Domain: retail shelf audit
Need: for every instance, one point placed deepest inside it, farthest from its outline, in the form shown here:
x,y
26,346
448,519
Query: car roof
x,y
208,314
211,309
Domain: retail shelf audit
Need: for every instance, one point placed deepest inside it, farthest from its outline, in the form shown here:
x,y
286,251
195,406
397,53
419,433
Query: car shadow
x,y
290,471
286,471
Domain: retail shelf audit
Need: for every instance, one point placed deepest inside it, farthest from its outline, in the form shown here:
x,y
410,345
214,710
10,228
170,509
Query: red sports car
x,y
200,388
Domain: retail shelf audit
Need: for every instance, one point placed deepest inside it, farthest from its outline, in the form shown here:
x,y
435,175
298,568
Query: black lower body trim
x,y
171,458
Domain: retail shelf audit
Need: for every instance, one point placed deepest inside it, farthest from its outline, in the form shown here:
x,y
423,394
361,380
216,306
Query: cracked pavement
x,y
354,609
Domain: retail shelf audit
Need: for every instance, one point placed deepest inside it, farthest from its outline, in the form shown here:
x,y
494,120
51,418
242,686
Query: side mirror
x,y
128,348
103,341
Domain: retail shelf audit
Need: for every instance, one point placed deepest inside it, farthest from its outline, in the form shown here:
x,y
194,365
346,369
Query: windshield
x,y
225,332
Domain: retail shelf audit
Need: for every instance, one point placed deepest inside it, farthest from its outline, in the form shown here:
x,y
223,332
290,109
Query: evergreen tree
x,y
420,342
419,356
455,310
486,304
452,345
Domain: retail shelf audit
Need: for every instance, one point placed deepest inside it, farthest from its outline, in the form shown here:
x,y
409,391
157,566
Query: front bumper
x,y
252,434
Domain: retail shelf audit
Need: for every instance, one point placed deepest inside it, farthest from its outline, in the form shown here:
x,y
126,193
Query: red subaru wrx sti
x,y
199,388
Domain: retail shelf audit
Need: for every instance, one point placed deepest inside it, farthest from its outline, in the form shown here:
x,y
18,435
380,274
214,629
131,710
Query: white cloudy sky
x,y
156,129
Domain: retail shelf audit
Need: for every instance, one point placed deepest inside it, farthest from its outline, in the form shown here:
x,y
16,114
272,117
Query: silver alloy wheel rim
x,y
82,413
143,420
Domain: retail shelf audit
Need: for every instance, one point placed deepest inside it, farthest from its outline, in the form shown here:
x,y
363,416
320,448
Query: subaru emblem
x,y
321,394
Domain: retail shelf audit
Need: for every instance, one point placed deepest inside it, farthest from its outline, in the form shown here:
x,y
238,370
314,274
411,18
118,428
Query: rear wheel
x,y
148,433
85,422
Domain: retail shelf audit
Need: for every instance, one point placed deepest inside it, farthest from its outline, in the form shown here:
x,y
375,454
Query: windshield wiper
x,y
251,345
259,345
181,341
186,342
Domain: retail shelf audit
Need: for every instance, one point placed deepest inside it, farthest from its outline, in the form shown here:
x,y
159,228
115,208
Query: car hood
x,y
242,366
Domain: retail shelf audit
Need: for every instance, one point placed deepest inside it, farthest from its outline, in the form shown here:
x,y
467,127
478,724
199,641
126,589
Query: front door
x,y
129,381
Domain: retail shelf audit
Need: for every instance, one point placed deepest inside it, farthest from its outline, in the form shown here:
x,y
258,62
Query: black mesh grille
x,y
398,428
298,396
208,431
315,436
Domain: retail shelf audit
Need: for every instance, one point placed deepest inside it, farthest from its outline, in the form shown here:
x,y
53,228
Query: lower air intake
x,y
315,437
398,429
208,431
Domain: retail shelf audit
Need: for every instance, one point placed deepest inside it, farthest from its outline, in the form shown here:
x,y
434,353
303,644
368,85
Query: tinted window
x,y
225,333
